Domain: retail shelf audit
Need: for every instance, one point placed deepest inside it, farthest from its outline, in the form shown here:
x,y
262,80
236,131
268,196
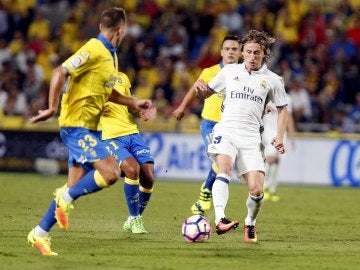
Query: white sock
x,y
220,195
271,179
253,205
66,196
40,232
130,218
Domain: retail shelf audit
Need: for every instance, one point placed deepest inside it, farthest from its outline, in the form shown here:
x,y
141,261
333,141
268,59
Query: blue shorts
x,y
206,129
85,146
127,146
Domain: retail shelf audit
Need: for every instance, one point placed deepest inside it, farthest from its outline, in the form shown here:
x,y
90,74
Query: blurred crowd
x,y
169,42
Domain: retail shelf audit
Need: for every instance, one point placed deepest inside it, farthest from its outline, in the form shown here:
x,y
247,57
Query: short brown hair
x,y
113,17
260,37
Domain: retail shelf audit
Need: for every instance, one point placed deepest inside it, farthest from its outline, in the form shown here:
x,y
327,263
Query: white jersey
x,y
246,94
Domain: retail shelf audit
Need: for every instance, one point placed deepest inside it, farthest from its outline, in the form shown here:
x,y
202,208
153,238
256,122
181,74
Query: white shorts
x,y
246,158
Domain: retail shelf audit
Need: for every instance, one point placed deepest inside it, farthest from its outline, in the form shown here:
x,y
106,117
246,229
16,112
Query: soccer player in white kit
x,y
271,155
236,138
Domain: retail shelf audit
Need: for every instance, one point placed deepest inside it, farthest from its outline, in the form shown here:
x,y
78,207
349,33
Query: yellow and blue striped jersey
x,y
117,121
212,105
93,72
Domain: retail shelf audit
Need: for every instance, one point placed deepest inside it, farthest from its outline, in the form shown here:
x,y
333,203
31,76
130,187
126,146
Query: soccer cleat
x,y
136,225
196,209
204,202
63,208
205,198
41,243
250,234
271,197
274,198
226,225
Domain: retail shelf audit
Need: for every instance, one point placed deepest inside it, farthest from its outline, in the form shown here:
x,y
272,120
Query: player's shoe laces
x,y
204,202
226,225
196,209
41,243
63,208
136,225
250,234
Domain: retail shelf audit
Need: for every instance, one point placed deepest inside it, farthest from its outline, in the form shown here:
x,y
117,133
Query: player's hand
x,y
106,109
42,115
149,113
278,144
147,109
202,90
178,114
269,109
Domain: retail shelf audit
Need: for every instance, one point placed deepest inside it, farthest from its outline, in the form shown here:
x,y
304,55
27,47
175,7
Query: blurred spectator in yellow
x,y
263,19
39,27
143,89
286,27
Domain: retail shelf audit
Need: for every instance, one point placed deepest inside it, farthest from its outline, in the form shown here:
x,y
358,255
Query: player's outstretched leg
x,y
64,197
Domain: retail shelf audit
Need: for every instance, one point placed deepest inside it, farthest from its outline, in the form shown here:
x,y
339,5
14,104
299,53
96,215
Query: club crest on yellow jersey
x,y
79,60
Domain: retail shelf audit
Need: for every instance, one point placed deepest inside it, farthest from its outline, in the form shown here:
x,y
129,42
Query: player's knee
x,y
148,181
256,190
112,176
132,172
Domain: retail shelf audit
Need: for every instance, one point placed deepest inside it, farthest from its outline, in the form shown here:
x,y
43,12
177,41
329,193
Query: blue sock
x,y
210,179
86,185
132,198
49,220
143,201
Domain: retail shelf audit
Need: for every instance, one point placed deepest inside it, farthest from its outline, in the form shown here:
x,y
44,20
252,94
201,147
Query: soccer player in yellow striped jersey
x,y
125,143
86,79
211,114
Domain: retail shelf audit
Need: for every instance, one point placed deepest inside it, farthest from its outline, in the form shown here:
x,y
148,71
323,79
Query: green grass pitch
x,y
309,228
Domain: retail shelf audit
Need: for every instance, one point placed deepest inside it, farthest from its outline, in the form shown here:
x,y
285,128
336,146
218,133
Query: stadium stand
x,y
169,42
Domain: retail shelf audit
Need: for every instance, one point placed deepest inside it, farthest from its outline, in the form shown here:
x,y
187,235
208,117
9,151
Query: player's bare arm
x,y
179,113
56,84
144,106
278,141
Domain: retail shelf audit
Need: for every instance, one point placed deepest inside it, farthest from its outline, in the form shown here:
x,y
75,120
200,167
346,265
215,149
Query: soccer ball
x,y
196,229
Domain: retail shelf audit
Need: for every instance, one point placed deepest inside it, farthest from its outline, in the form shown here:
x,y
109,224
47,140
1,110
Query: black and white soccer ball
x,y
196,228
